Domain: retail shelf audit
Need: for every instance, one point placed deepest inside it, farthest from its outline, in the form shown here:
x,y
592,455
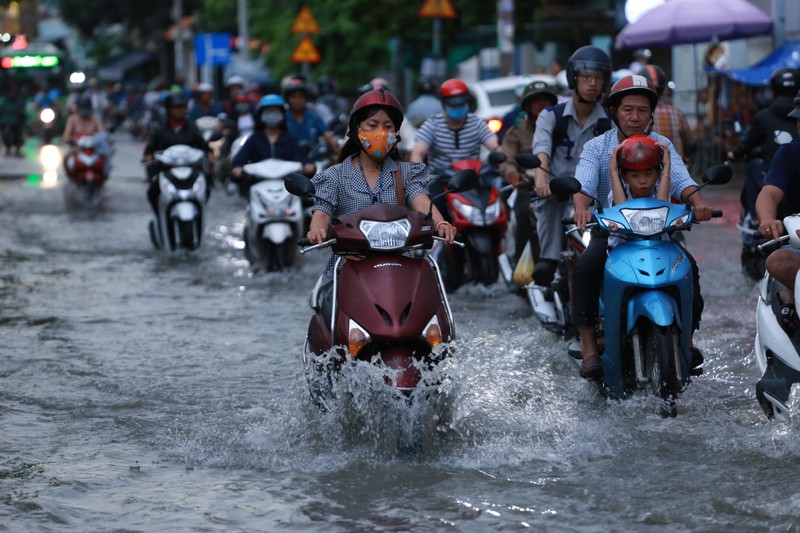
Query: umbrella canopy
x,y
694,21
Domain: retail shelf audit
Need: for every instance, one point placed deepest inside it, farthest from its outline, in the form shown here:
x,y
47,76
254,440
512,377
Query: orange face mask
x,y
377,143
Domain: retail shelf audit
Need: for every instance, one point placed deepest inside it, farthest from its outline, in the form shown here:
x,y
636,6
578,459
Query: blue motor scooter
x,y
646,300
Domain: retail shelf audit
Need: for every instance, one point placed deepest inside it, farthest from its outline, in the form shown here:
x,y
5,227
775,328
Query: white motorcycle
x,y
183,194
777,351
274,217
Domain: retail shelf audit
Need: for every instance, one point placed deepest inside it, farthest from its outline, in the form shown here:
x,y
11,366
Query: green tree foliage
x,y
147,16
355,35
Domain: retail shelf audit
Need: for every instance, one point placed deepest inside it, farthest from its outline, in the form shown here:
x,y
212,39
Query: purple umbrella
x,y
694,21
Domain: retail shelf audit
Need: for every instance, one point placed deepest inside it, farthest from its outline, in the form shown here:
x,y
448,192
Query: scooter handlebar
x,y
457,243
306,242
716,213
761,246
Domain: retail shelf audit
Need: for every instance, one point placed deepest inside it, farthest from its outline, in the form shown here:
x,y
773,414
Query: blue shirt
x,y
595,176
310,129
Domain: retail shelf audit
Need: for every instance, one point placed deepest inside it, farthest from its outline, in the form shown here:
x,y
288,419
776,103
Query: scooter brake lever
x,y
761,246
320,245
457,243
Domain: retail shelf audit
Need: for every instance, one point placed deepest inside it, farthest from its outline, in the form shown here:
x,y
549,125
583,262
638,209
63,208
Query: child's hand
x,y
665,155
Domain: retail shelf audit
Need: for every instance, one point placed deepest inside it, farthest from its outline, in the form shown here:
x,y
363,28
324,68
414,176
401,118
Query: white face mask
x,y
272,118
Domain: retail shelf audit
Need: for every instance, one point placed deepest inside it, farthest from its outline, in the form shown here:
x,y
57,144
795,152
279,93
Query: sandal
x,y
788,318
591,367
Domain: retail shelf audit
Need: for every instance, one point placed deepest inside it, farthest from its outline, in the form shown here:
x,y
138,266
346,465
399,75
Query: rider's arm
x,y
318,228
542,148
510,147
423,139
618,193
663,183
419,152
767,204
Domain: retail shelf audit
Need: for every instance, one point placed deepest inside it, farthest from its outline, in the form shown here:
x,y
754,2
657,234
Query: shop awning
x,y
787,55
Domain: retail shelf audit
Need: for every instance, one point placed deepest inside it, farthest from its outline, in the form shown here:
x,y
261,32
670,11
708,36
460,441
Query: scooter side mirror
x,y
463,180
299,185
528,161
565,186
495,158
717,175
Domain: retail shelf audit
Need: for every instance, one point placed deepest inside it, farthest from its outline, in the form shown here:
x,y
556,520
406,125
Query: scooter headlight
x,y
492,213
47,115
646,221
181,173
470,212
386,235
357,338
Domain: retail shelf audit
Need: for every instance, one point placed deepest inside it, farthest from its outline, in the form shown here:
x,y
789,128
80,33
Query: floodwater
x,y
146,392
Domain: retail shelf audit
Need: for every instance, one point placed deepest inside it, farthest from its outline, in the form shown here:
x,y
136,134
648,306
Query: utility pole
x,y
244,36
505,36
177,9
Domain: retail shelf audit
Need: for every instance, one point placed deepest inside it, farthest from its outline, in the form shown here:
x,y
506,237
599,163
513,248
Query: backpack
x,y
560,137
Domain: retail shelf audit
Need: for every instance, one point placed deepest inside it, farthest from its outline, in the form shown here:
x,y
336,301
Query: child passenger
x,y
639,169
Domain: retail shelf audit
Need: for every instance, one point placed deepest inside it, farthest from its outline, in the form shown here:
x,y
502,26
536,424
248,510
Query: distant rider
x,y
176,130
451,136
270,139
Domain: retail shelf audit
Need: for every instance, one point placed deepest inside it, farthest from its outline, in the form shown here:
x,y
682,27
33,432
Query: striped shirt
x,y
595,176
345,191
446,145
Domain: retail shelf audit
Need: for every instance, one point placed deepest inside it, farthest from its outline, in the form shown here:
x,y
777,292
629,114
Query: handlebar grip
x,y
567,221
303,242
716,213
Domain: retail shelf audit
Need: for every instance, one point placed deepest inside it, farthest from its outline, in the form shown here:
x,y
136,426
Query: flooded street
x,y
146,392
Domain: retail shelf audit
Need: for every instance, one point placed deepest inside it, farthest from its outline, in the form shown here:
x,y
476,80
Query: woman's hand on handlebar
x,y
317,235
446,230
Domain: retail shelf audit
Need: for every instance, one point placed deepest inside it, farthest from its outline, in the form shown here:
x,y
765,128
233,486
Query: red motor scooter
x,y
387,308
480,217
86,168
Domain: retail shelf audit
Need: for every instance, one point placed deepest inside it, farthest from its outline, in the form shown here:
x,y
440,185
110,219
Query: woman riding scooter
x,y
369,173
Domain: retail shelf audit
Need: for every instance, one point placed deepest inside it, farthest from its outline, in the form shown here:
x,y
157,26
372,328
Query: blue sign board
x,y
216,46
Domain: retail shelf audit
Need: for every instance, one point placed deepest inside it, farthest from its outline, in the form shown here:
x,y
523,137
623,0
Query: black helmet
x,y
588,58
176,100
655,74
795,113
295,85
784,82
426,85
84,103
325,85
538,88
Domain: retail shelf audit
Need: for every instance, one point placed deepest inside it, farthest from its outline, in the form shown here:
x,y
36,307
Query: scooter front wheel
x,y
660,367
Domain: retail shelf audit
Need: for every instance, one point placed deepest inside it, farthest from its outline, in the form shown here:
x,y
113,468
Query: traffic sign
x,y
305,22
437,9
306,52
216,46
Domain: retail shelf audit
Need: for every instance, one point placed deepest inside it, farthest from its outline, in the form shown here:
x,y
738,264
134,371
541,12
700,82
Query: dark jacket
x,y
166,136
257,148
766,124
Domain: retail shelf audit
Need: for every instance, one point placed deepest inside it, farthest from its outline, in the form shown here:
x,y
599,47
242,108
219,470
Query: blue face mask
x,y
457,113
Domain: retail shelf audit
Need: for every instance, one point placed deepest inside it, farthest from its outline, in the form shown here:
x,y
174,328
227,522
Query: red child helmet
x,y
639,152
